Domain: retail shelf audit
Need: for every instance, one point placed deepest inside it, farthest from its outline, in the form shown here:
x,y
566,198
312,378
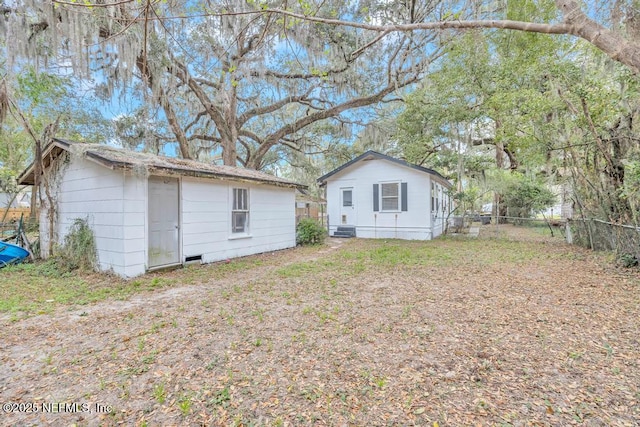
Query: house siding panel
x,y
134,224
87,190
207,219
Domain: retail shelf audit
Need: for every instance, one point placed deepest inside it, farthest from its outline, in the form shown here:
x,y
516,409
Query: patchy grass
x,y
39,288
445,252
512,328
305,269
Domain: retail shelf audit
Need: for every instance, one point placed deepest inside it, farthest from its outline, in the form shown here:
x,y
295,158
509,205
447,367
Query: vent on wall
x,y
193,258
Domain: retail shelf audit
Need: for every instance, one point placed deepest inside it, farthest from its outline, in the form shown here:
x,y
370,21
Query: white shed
x,y
150,212
378,196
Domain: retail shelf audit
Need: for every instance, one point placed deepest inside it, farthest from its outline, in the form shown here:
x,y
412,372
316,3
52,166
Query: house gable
x,y
374,155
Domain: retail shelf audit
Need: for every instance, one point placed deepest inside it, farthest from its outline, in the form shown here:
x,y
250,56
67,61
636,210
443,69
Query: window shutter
x,y
376,200
405,201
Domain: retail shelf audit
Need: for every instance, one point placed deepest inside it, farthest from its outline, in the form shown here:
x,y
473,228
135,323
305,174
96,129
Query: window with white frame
x,y
390,196
433,199
240,211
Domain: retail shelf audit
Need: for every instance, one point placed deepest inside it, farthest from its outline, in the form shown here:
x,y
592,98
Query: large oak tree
x,y
229,79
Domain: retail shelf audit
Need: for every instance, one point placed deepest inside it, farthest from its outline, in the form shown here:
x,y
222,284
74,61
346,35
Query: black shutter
x,y
405,201
375,198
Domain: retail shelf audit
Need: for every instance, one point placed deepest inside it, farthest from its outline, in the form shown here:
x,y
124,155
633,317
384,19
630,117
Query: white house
x,y
150,212
377,196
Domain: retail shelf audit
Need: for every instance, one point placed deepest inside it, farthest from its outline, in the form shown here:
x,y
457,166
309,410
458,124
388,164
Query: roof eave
x,y
220,176
322,180
188,172
27,176
324,177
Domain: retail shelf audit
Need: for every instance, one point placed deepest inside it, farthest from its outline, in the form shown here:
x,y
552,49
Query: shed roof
x,y
371,155
117,158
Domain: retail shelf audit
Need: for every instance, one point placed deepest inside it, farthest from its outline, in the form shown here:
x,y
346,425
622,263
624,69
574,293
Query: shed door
x,y
164,225
347,206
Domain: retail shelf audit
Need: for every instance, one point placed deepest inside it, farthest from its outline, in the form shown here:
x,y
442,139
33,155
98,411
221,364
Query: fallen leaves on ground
x,y
515,329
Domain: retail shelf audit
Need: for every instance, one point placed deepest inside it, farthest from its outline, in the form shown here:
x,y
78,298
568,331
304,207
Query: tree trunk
x,y
498,207
513,161
183,143
52,207
36,182
229,152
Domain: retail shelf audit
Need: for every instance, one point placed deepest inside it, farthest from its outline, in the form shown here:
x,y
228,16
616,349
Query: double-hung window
x,y
240,211
390,196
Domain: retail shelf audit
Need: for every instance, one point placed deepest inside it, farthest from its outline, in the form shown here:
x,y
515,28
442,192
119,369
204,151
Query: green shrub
x,y
79,249
524,198
310,232
627,260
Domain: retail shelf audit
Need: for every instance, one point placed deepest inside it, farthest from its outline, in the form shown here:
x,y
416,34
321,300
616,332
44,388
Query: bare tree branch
x,y
92,5
299,124
249,114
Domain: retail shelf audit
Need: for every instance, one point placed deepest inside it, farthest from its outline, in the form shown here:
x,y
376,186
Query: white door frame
x,y
172,237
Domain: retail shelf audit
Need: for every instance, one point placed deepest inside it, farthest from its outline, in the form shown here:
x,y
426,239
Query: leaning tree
x,y
612,26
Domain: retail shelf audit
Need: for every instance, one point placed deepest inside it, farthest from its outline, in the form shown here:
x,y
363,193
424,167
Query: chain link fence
x,y
600,235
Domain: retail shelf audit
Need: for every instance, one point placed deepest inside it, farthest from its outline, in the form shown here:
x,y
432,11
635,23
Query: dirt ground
x,y
513,330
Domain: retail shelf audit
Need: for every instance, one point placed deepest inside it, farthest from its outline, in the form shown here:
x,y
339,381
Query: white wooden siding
x,y
134,225
206,219
89,191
